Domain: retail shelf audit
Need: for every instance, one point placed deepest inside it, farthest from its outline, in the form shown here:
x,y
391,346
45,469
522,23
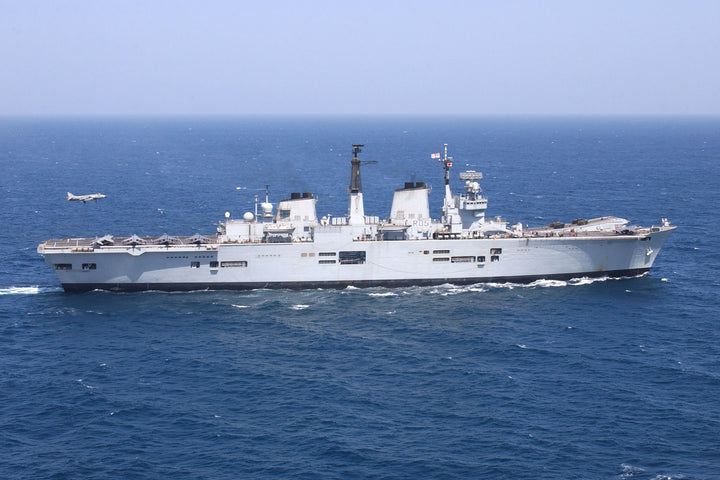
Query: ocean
x,y
585,379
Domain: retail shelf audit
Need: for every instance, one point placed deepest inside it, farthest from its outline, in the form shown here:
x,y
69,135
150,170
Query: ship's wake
x,y
31,290
448,289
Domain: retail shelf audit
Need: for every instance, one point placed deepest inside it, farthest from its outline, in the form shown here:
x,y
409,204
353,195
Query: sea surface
x,y
586,379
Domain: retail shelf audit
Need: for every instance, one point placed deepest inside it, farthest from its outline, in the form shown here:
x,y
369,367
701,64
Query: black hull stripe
x,y
180,287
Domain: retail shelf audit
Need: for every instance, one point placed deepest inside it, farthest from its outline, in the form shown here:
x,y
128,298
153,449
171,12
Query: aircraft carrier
x,y
288,246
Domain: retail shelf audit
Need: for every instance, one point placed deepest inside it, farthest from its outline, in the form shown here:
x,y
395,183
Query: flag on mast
x,y
435,155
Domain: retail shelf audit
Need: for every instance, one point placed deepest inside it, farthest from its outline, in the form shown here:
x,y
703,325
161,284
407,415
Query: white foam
x,y
240,306
385,294
350,287
34,290
299,307
548,283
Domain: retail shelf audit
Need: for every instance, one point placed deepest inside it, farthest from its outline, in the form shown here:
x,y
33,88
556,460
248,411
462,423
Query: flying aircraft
x,y
84,198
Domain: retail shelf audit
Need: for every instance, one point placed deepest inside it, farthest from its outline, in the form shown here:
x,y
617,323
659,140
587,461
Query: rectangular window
x,y
494,258
326,262
89,266
63,266
355,257
441,252
283,214
326,254
214,264
234,263
194,264
481,259
495,251
464,259
441,259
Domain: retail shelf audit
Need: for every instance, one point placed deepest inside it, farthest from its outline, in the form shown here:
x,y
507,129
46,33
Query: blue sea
x,y
601,379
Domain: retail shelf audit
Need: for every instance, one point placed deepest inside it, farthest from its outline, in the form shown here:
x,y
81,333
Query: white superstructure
x,y
292,248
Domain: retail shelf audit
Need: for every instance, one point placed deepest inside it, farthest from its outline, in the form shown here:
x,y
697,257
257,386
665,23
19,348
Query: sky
x,y
390,57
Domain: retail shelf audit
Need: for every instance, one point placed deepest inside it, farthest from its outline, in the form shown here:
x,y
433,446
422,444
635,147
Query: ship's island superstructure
x,y
292,248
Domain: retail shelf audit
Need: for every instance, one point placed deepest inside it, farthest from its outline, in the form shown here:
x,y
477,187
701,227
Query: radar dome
x,y
248,216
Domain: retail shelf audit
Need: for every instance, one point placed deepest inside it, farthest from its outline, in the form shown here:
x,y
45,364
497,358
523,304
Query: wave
x,y
33,290
451,289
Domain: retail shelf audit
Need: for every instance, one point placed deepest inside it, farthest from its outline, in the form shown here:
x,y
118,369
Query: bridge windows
x,y
234,263
354,257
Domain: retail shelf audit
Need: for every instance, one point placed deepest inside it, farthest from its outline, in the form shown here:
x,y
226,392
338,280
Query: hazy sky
x,y
359,57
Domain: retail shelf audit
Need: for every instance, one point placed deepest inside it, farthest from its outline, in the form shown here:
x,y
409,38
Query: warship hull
x,y
332,261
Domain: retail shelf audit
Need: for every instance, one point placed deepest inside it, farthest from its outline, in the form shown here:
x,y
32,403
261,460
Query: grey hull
x,y
188,287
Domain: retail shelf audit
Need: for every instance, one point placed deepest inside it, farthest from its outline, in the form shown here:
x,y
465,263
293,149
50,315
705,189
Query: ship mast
x,y
447,163
355,184
451,217
356,214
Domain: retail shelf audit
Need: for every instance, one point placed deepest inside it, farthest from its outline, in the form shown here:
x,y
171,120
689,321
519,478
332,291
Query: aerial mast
x,y
447,163
356,213
355,184
451,217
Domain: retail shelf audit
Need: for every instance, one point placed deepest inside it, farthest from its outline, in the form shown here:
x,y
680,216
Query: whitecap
x,y
585,281
350,287
34,290
664,280
548,283
521,345
385,294
240,306
299,307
